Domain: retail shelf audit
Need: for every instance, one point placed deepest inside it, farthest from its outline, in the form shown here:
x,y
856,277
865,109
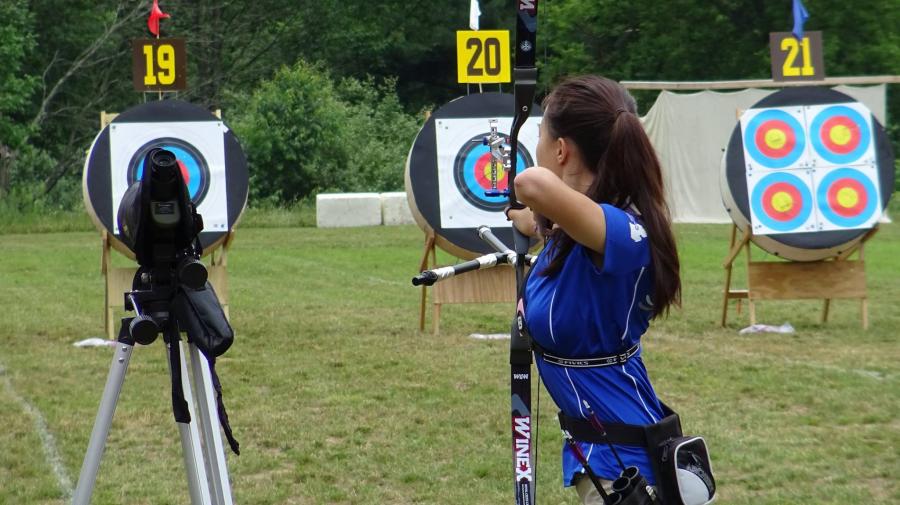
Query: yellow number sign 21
x,y
483,57
797,60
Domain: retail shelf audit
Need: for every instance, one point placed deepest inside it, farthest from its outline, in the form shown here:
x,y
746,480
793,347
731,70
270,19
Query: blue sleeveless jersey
x,y
588,311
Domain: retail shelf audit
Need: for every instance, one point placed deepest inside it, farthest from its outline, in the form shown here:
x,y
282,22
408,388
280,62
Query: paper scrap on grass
x,y
490,336
95,342
766,328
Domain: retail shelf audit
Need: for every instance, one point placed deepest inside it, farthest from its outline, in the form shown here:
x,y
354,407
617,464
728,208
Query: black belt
x,y
648,436
601,361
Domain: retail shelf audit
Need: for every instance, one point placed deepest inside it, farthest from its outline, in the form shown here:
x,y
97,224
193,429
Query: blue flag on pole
x,y
800,17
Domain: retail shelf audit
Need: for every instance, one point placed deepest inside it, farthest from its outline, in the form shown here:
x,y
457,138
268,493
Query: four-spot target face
x,y
841,134
774,138
810,168
476,173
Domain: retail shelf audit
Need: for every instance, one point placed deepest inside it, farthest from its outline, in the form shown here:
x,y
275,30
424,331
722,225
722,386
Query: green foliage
x,y
64,61
303,134
16,86
291,132
379,134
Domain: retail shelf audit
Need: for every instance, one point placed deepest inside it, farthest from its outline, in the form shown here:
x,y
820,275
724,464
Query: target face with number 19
x,y
211,160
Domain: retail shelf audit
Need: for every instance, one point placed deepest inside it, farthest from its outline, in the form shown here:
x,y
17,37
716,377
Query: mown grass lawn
x,y
336,398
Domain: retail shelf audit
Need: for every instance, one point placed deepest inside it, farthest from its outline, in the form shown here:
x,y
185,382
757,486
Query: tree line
x,y
328,95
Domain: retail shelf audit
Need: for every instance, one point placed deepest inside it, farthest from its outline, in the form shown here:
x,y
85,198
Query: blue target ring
x,y
759,206
764,119
469,174
841,176
850,115
192,163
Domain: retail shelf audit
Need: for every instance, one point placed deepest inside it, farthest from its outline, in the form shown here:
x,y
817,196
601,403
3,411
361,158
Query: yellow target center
x,y
847,197
782,202
500,172
775,138
840,134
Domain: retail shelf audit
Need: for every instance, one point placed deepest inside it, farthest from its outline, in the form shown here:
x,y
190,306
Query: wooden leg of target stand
x,y
864,307
423,265
436,319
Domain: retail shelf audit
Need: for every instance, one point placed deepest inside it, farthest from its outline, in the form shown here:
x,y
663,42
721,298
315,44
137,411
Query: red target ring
x,y
775,138
840,134
782,201
483,173
847,197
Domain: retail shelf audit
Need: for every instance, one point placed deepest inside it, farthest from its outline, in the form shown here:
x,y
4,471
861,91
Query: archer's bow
x,y
525,75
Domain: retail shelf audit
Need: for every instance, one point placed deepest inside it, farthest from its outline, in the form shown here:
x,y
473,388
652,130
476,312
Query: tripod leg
x,y
216,466
198,484
100,432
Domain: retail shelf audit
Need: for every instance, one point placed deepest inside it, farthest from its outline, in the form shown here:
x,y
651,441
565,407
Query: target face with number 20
x,y
464,170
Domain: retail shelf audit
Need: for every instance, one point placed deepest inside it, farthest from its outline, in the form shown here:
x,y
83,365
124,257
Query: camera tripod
x,y
204,459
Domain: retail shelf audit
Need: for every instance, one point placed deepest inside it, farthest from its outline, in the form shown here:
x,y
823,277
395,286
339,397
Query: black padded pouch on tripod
x,y
200,315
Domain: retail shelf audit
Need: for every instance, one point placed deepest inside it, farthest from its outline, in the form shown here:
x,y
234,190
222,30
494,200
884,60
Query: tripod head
x,y
160,224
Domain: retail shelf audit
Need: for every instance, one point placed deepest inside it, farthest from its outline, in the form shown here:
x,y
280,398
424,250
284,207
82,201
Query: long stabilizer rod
x,y
429,277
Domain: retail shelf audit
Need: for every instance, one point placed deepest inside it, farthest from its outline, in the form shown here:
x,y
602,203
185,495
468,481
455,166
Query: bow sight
x,y
499,155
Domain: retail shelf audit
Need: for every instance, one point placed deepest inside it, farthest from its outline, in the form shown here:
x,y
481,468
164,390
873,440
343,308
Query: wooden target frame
x,y
797,202
97,189
427,189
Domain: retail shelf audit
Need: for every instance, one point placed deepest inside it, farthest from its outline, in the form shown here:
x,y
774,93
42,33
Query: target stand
x,y
837,278
806,177
448,179
491,285
214,167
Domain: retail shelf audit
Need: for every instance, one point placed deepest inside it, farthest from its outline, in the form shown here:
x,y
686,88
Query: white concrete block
x,y
395,209
334,210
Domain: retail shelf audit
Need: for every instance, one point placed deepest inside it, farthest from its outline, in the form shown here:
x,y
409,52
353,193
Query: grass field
x,y
336,398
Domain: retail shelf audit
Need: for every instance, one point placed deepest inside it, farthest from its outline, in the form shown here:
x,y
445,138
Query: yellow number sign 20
x,y
483,57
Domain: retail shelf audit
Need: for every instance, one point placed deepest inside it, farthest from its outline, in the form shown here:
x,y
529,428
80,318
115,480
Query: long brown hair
x,y
600,117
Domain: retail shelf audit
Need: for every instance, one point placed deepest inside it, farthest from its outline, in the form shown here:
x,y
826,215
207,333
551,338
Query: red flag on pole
x,y
155,15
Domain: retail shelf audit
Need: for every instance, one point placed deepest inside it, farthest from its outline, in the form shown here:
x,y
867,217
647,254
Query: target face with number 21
x,y
811,168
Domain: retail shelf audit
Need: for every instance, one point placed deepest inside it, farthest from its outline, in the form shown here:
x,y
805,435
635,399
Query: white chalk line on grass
x,y
48,443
